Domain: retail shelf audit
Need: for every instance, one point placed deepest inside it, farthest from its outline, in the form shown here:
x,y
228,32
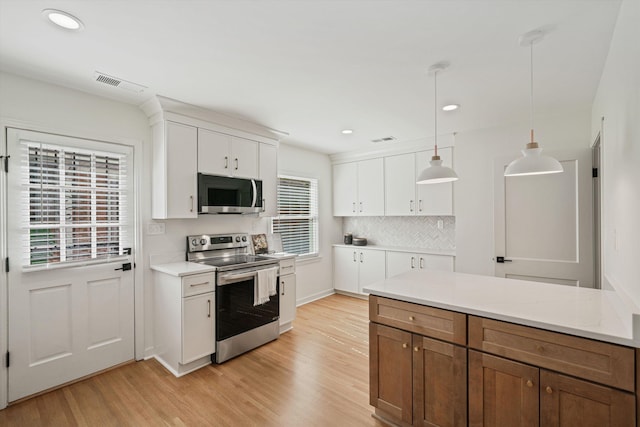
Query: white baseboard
x,y
314,297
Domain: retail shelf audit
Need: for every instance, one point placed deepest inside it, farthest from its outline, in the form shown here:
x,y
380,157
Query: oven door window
x,y
235,310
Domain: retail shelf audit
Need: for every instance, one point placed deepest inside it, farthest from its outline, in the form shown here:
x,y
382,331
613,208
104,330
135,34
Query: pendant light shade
x,y
436,173
533,161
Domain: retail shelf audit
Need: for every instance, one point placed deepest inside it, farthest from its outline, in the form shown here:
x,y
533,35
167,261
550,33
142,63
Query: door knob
x,y
502,260
125,267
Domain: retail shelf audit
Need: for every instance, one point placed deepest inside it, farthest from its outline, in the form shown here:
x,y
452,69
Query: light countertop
x,y
400,249
183,268
588,313
280,255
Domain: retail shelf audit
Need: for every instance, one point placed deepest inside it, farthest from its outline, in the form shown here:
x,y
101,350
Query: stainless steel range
x,y
242,323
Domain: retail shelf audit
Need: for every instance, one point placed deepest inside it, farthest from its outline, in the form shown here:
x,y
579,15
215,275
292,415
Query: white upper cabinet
x,y
358,188
174,184
269,177
400,184
434,199
221,154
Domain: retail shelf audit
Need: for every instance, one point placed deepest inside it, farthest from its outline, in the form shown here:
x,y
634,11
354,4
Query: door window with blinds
x,y
74,204
297,218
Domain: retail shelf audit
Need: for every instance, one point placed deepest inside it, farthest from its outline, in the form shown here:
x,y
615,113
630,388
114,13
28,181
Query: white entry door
x,y
70,291
543,223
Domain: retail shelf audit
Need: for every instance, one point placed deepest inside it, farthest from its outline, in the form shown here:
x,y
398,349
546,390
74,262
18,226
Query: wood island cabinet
x,y
427,363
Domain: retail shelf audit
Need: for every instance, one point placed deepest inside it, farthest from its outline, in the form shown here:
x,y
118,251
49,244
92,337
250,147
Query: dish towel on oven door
x,y
265,285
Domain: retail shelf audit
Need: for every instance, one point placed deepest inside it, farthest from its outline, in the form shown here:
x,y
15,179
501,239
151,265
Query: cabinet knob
x,y
405,345
529,383
416,348
549,390
412,318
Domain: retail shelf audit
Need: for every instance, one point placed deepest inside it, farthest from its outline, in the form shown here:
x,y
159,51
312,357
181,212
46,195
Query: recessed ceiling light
x,y
347,131
450,107
63,19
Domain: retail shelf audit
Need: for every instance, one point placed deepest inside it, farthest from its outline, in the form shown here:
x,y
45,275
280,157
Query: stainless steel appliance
x,y
240,326
226,195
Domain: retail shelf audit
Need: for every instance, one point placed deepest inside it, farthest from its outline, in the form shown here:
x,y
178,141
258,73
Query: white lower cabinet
x,y
184,321
401,262
287,294
354,268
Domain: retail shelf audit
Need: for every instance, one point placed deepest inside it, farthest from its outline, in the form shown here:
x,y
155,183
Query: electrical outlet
x,y
440,224
155,228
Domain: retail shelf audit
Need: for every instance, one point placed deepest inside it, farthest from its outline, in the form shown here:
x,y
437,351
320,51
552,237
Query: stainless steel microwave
x,y
226,195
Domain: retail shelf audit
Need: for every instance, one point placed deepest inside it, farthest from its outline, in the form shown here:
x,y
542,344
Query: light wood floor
x,y
315,375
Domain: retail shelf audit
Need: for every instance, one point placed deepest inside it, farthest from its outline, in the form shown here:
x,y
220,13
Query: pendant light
x,y
533,161
436,173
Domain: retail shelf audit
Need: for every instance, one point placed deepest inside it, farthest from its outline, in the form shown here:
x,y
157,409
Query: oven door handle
x,y
255,193
231,278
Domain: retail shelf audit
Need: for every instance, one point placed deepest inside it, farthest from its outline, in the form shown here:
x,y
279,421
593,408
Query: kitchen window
x,y
74,204
297,217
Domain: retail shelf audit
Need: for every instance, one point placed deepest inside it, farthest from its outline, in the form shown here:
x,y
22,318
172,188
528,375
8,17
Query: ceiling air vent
x,y
385,139
119,83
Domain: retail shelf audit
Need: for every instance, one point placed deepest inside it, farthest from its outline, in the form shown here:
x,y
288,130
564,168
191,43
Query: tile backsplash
x,y
405,231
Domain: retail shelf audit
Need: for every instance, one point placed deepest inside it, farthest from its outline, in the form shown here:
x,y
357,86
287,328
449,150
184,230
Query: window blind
x,y
74,203
297,218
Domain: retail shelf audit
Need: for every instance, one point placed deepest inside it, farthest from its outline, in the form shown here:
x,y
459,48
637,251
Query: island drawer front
x,y
604,363
198,284
427,321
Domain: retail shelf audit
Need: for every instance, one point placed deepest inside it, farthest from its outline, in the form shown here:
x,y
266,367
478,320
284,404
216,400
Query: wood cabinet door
x,y
372,267
371,187
345,269
345,189
439,383
390,368
214,155
181,171
434,199
198,327
244,158
568,401
400,185
502,392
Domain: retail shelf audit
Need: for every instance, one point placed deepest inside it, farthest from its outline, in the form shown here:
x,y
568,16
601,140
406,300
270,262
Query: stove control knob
x,y
203,242
194,242
237,238
244,238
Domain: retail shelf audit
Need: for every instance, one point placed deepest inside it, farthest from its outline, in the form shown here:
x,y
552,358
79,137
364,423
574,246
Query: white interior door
x,y
69,220
543,223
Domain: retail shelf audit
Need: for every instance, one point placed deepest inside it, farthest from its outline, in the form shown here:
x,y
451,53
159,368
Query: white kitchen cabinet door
x,y
434,199
175,184
371,187
269,176
244,158
372,267
214,153
401,262
287,298
345,189
435,262
198,327
400,185
345,269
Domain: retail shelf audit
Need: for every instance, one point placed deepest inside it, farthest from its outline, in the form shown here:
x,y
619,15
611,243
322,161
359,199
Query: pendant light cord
x,y
435,111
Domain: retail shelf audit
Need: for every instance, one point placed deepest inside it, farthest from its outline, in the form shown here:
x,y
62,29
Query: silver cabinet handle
x,y
199,284
360,206
208,308
354,206
236,163
361,256
283,292
411,205
191,204
421,263
420,205
354,256
264,205
413,262
226,162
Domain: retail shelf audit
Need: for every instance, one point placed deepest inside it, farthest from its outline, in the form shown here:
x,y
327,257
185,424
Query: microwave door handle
x,y
255,193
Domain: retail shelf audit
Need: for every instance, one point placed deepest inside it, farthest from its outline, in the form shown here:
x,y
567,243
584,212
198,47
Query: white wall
x,y
618,101
474,155
314,277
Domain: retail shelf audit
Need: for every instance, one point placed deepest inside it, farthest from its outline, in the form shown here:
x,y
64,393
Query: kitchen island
x,y
458,349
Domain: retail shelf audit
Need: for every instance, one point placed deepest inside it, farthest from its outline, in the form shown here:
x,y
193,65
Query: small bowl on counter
x,y
359,241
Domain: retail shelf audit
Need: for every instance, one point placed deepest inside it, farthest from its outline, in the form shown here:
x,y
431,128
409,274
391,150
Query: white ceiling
x,y
311,68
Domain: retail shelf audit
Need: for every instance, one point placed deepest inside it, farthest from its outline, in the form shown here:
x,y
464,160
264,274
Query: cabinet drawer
x,y
431,322
197,284
287,266
597,361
